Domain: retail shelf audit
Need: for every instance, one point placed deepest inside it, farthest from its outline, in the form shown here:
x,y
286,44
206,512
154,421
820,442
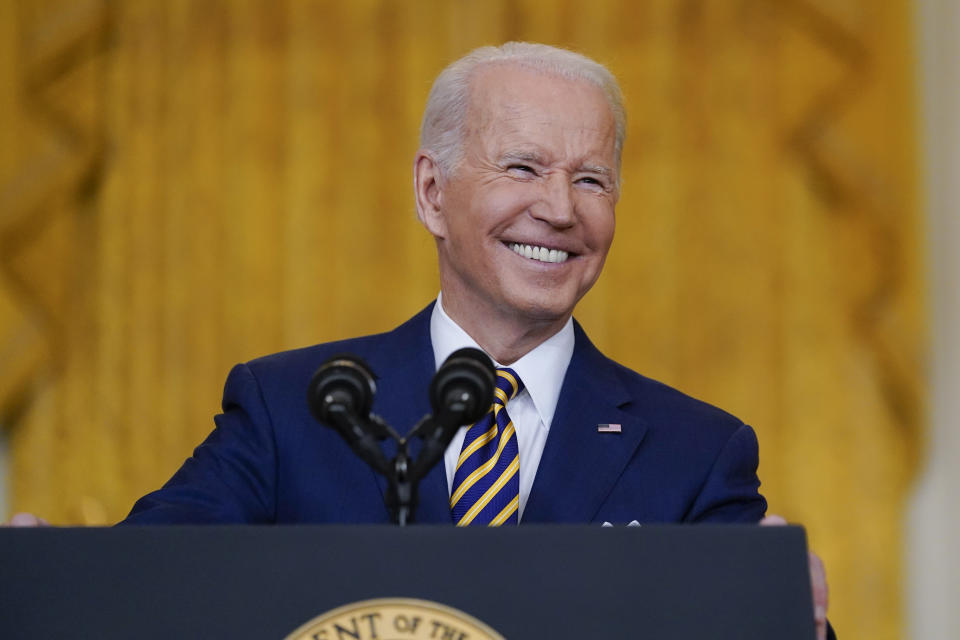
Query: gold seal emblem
x,y
394,619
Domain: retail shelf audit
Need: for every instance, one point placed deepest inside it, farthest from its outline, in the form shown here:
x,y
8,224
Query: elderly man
x,y
517,180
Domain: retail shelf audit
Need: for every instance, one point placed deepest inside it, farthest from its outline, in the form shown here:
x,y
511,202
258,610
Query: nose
x,y
557,206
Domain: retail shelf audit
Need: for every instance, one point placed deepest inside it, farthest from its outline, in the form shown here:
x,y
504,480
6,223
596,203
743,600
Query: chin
x,y
545,308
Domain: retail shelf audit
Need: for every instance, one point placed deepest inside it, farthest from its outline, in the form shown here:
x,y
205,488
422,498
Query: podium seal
x,y
394,619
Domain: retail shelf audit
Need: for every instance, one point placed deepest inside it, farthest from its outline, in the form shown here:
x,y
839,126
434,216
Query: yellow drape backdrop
x,y
185,185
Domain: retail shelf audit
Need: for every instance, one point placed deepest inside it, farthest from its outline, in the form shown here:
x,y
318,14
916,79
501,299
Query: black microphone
x,y
340,395
461,393
341,383
462,389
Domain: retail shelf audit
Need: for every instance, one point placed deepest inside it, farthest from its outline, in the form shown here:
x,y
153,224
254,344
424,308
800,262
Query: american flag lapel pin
x,y
608,428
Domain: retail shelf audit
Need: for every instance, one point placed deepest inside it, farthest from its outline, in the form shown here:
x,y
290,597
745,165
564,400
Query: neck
x,y
506,337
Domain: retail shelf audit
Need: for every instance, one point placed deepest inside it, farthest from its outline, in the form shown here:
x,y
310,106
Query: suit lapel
x,y
407,366
580,466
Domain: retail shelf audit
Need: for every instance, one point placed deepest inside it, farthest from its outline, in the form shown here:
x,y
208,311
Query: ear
x,y
429,194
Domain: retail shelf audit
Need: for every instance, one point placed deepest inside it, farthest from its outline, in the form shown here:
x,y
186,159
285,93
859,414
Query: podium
x,y
524,583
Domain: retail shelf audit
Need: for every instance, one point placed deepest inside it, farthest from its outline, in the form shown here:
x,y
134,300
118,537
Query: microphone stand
x,y
406,473
403,473
401,496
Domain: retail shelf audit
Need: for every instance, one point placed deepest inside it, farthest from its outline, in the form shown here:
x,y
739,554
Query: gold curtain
x,y
185,185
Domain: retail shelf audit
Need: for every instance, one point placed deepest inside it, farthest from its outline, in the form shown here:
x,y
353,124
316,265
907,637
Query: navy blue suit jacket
x,y
268,461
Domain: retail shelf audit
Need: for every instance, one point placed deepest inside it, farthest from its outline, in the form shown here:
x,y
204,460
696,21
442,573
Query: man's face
x,y
525,221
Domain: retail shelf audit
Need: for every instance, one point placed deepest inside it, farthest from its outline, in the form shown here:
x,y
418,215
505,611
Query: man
x,y
517,180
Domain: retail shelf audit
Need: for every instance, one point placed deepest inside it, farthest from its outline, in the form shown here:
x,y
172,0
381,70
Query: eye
x,y
523,169
591,182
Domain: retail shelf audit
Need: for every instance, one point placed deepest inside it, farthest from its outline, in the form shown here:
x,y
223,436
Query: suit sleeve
x,y
231,476
731,490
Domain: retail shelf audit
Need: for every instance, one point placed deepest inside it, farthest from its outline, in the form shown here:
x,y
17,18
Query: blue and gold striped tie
x,y
486,486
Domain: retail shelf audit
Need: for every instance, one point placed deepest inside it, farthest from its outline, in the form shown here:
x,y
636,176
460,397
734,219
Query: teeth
x,y
539,253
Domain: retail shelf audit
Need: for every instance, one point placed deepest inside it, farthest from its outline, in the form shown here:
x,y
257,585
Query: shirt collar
x,y
542,369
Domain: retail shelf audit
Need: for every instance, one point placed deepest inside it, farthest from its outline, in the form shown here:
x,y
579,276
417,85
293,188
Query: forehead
x,y
514,106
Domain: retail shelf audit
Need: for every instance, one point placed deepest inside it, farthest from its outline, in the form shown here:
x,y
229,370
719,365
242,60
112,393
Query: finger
x,y
821,594
27,520
773,521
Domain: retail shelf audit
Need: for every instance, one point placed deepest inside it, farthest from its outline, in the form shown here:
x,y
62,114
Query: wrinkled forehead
x,y
503,87
509,103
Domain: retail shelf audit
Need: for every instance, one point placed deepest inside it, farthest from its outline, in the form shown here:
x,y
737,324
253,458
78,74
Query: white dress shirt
x,y
542,371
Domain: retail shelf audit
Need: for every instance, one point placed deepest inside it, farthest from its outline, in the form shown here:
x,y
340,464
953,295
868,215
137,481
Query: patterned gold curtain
x,y
185,185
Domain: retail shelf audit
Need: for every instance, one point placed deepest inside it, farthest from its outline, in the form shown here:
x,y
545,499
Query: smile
x,y
542,254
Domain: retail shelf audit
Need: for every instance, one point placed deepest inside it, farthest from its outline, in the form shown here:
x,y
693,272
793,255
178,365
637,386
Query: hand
x,y
26,520
818,582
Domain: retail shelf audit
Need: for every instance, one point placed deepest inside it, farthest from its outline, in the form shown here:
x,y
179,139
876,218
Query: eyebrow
x,y
523,156
604,171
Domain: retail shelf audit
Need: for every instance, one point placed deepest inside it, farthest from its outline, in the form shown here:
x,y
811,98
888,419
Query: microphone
x,y
461,393
340,395
462,389
342,383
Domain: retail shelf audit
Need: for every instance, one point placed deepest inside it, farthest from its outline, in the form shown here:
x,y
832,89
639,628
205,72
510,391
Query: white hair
x,y
444,117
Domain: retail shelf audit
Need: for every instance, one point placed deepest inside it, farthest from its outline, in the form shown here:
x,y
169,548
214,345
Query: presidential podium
x,y
390,583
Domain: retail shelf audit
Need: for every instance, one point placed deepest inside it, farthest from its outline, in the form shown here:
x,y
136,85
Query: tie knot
x,y
508,385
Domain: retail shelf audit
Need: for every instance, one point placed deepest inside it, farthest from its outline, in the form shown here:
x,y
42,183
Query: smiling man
x,y
517,180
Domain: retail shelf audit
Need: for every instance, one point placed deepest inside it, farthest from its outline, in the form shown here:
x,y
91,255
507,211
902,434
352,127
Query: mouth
x,y
538,253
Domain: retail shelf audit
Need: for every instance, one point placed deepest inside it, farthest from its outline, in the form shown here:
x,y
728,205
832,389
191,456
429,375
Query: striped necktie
x,y
486,485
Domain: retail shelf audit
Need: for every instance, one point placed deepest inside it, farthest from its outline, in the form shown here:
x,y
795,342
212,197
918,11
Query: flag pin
x,y
608,428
